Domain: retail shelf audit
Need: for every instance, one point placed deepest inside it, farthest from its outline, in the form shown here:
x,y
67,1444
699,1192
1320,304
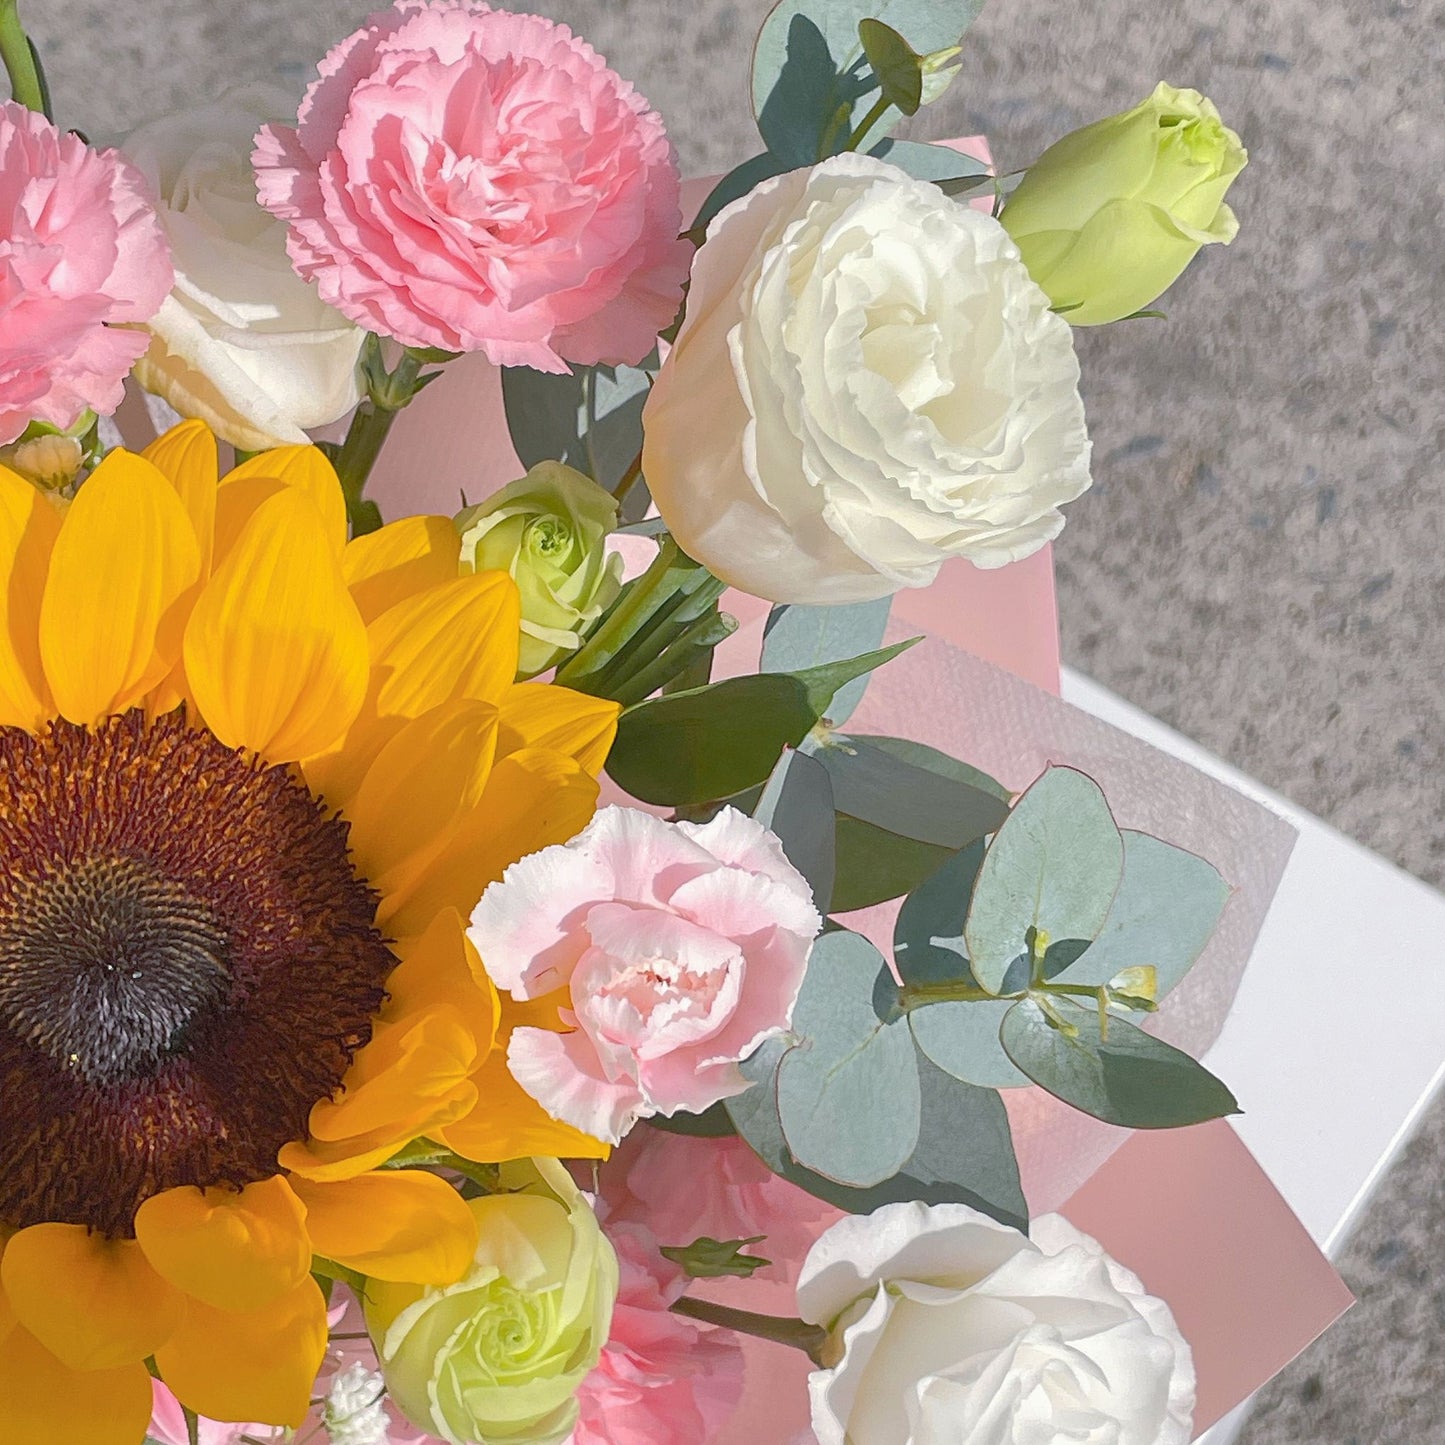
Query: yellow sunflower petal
x,y
232,1250
123,566
459,639
275,650
29,525
251,1365
399,560
533,798
235,506
43,1401
186,455
403,1225
412,1078
543,715
509,1124
423,781
95,1303
442,969
307,470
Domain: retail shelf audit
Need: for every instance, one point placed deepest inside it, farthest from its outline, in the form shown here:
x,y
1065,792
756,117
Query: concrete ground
x,y
1260,562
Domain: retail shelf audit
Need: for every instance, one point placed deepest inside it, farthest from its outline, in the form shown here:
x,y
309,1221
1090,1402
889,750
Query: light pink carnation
x,y
465,178
683,947
80,249
662,1379
685,1188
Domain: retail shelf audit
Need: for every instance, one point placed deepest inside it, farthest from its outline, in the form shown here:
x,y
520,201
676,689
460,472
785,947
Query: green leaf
x,y
896,66
797,637
964,1153
1117,1073
811,77
707,1258
797,805
695,747
848,1090
880,785
1052,869
874,865
592,419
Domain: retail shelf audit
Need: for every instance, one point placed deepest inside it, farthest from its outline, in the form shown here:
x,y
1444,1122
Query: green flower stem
x,y
26,85
811,1339
697,640
193,1425
387,393
695,597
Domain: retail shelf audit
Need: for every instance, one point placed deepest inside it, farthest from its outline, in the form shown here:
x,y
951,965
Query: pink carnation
x,y
683,947
80,249
662,1379
684,1188
465,178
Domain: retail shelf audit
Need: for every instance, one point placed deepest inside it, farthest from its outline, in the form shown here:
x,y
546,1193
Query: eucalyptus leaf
x,y
797,805
964,1153
591,419
797,637
874,865
962,1038
928,944
811,80
1168,905
688,748
941,164
1053,868
848,1092
1111,1069
738,183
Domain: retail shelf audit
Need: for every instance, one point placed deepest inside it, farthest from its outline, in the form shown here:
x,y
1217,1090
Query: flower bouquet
x,y
441,975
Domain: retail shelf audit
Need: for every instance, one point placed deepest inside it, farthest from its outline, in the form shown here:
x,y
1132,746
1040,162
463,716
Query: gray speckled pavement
x,y
1260,562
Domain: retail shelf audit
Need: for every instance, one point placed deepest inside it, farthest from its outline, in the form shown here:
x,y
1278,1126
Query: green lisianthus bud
x,y
548,531
1108,218
499,1356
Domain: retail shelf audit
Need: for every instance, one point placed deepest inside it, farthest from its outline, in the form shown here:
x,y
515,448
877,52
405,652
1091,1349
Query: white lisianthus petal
x,y
949,1328
868,383
242,342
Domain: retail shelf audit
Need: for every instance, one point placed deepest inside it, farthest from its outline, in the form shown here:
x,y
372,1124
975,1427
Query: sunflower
x,y
251,779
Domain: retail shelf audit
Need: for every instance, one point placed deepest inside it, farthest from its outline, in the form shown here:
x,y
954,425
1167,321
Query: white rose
x,y
868,382
242,342
951,1329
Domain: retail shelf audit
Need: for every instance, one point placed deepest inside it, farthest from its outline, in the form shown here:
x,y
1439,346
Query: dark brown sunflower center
x,y
188,963
107,966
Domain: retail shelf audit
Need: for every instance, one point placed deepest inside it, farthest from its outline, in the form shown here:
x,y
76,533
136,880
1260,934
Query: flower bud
x,y
51,461
1108,218
499,1355
548,532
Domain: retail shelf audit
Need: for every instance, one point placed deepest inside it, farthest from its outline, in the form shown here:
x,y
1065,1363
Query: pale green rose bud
x,y
549,532
1108,218
499,1356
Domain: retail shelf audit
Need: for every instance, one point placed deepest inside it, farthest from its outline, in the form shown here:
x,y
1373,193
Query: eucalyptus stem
x,y
880,109
629,478
26,85
811,1339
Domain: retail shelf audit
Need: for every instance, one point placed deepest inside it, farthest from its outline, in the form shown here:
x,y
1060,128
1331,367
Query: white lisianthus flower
x,y
868,383
951,1329
242,342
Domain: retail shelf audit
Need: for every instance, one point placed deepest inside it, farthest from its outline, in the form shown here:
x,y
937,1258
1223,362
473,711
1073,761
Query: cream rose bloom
x,y
867,383
242,342
950,1329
